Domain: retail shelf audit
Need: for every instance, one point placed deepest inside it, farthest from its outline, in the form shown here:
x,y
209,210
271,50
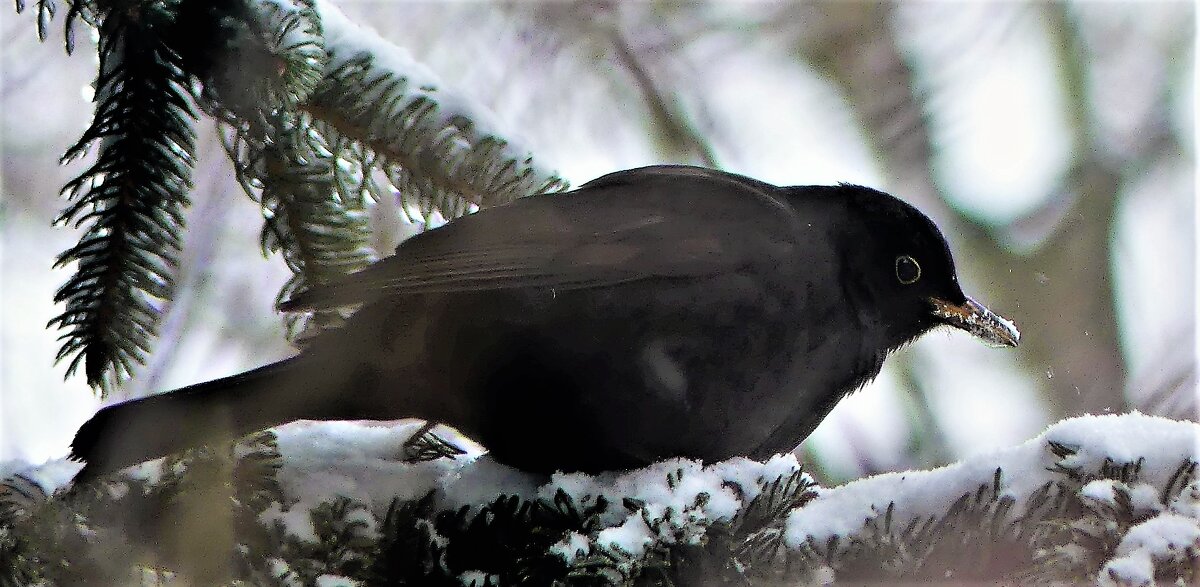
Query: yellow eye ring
x,y
908,271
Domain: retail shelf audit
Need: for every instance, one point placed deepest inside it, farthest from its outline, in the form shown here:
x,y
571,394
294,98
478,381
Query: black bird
x,y
652,313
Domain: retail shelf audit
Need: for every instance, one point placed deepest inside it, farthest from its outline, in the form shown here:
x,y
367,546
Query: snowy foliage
x,y
1110,499
322,119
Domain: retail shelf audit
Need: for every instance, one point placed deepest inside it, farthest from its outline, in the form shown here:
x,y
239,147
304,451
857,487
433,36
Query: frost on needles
x,y
1108,499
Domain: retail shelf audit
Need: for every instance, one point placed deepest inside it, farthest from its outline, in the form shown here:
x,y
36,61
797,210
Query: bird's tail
x,y
132,432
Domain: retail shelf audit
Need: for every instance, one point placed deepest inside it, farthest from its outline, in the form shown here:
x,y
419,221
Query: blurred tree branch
x,y
641,41
1064,305
682,141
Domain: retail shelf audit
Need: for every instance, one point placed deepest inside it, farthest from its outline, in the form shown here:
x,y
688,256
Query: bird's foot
x,y
424,445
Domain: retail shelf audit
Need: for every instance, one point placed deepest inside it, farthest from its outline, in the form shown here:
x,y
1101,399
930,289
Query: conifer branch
x,y
321,234
371,124
1095,516
321,115
268,58
131,199
77,10
440,152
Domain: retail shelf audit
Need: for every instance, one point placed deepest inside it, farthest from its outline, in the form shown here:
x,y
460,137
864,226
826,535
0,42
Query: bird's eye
x,y
907,270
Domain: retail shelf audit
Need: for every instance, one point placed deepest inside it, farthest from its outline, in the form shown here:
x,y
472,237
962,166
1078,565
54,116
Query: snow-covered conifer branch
x,y
1113,499
362,120
439,146
306,97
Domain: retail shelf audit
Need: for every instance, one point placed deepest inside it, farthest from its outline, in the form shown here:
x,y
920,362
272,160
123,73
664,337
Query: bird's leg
x,y
424,445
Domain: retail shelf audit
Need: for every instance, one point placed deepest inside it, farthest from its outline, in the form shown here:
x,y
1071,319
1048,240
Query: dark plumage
x,y
657,312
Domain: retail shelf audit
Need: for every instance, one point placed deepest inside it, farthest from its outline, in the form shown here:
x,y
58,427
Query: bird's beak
x,y
973,317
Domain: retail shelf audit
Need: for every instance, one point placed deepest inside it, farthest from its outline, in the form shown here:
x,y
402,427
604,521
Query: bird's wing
x,y
655,222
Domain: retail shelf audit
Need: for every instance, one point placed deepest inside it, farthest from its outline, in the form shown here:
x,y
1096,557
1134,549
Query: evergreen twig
x,y
131,199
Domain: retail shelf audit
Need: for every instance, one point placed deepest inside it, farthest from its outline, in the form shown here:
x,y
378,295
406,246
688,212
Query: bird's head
x,y
905,276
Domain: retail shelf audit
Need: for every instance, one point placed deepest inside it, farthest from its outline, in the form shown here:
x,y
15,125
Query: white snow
x,y
1143,497
1127,571
572,546
49,476
1163,539
1101,490
680,497
1187,503
675,501
650,484
281,570
345,39
476,578
1123,438
336,581
359,460
370,528
296,521
630,537
485,480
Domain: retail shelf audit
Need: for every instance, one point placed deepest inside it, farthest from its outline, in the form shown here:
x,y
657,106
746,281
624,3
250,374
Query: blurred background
x,y
1054,144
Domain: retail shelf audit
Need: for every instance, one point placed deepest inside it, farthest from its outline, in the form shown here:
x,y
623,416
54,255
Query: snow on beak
x,y
973,317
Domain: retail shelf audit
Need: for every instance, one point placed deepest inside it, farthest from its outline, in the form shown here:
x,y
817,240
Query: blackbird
x,y
667,311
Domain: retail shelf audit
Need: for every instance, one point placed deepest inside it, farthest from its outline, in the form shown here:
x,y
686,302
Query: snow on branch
x,y
1078,447
1111,499
438,141
323,117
